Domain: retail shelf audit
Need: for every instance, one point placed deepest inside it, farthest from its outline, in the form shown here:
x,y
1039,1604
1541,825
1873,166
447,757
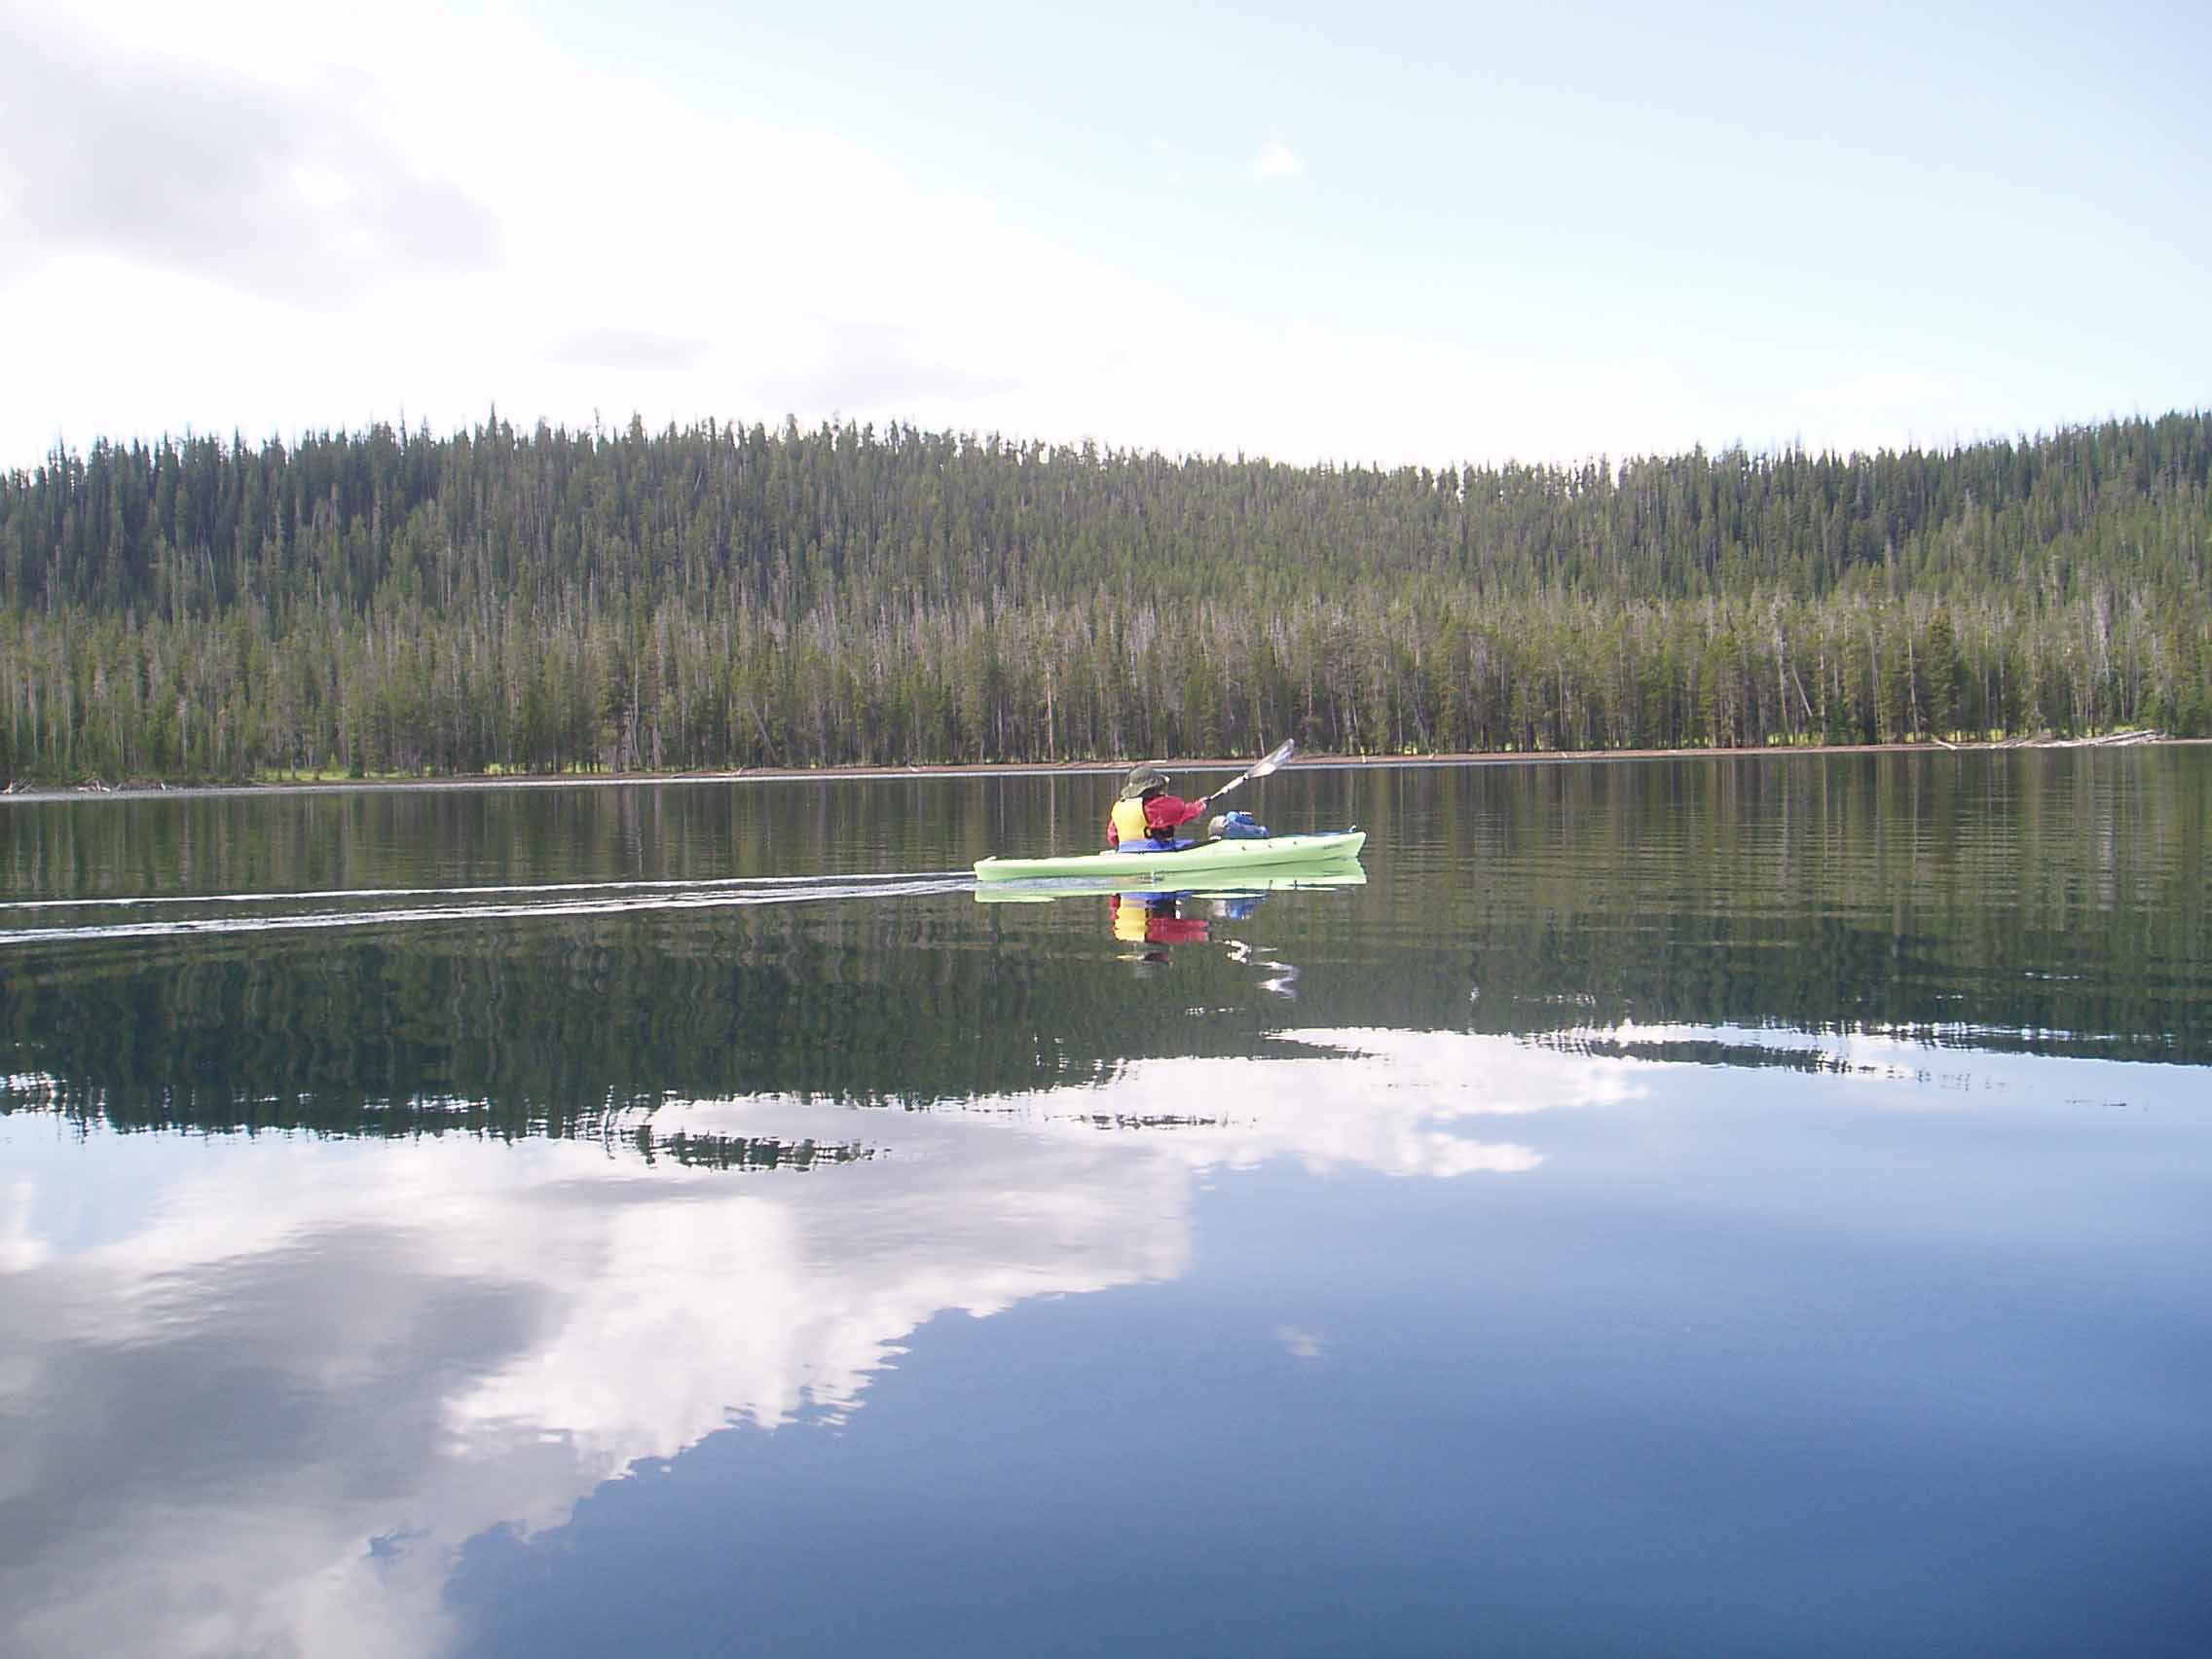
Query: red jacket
x,y
1162,813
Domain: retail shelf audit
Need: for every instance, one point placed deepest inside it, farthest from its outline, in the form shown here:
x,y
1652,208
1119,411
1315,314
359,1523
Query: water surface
x,y
1716,1206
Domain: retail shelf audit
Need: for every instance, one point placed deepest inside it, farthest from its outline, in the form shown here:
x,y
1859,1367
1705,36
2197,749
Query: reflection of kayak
x,y
1210,858
1339,871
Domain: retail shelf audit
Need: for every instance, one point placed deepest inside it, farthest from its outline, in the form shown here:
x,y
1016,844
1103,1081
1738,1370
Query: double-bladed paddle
x,y
1274,757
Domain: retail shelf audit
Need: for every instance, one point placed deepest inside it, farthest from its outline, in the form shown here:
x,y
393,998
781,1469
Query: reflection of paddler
x,y
1150,918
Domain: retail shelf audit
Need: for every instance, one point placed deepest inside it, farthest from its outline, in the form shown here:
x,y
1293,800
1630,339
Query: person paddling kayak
x,y
1145,812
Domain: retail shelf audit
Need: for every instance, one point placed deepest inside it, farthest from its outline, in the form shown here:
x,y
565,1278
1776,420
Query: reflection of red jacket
x,y
1156,918
1162,813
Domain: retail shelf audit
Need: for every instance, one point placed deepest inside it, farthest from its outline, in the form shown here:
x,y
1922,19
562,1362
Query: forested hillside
x,y
720,597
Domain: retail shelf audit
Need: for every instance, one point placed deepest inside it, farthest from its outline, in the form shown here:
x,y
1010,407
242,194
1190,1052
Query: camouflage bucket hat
x,y
1141,779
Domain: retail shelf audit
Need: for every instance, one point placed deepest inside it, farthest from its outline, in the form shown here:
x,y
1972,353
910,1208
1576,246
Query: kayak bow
x,y
1212,857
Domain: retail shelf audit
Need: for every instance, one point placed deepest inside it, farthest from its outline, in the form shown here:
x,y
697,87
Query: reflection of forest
x,y
2048,902
741,1152
2052,902
554,1026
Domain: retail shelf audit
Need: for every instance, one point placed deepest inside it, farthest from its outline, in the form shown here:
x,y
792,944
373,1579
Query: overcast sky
x,y
1381,233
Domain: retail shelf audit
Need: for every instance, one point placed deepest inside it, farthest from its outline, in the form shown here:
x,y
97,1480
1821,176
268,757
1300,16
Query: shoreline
x,y
155,790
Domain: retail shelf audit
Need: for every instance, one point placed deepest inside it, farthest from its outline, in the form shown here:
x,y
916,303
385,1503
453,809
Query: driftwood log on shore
x,y
2109,740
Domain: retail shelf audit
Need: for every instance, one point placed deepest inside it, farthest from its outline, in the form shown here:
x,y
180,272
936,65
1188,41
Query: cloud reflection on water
x,y
276,1395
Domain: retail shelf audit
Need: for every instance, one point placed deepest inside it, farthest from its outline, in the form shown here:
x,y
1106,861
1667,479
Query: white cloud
x,y
288,192
267,219
707,264
743,270
1881,408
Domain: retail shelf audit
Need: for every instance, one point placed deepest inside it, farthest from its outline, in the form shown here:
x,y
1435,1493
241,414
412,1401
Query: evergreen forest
x,y
388,602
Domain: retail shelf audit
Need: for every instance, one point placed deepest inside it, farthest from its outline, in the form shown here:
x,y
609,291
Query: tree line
x,y
722,596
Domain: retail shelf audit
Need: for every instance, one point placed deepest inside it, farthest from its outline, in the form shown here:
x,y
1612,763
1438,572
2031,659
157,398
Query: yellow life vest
x,y
1129,822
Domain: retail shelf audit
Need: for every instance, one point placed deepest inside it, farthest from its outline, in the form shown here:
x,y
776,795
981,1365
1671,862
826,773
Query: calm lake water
x,y
1709,1207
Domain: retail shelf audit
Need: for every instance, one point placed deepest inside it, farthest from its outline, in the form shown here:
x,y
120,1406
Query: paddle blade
x,y
1274,757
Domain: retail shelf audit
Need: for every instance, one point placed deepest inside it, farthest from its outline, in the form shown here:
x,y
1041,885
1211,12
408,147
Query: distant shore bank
x,y
155,789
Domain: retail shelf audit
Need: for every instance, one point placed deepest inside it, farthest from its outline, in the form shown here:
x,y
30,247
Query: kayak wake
x,y
133,901
360,907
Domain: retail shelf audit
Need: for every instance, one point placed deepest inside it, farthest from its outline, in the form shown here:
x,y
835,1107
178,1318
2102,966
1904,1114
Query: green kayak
x,y
1220,884
1212,858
